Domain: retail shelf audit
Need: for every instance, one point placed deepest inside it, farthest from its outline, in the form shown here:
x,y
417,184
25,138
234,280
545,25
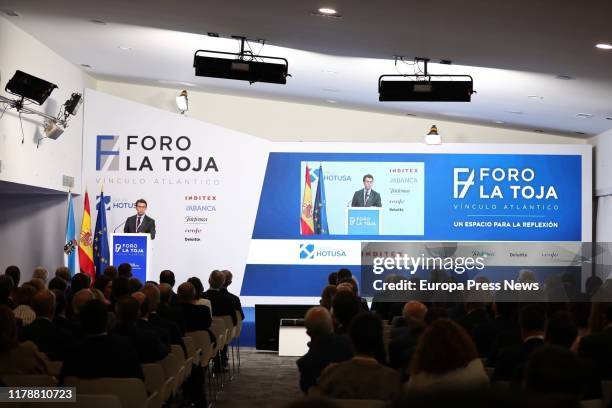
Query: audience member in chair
x,y
511,360
100,354
199,288
15,273
196,317
23,299
324,347
362,377
446,358
49,339
561,330
148,344
403,339
151,291
597,347
6,288
17,358
345,306
222,304
236,300
167,276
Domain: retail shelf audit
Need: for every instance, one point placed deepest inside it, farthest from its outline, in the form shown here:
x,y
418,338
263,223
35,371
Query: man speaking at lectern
x,y
366,197
140,223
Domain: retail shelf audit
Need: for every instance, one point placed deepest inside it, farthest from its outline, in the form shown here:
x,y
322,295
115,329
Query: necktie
x,y
367,195
138,223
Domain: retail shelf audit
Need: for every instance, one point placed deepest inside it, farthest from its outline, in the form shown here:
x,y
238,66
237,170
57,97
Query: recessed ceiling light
x,y
331,101
124,48
331,89
329,71
584,115
328,11
96,21
516,112
171,82
564,77
604,46
538,130
410,114
535,97
579,133
500,122
211,34
11,13
85,65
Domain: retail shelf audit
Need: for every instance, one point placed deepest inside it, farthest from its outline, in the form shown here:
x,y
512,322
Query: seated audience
x,y
15,274
111,272
146,342
100,354
362,377
23,299
15,357
197,284
344,307
554,370
6,288
50,339
124,271
511,360
324,347
236,300
561,330
134,285
327,296
151,291
597,349
58,284
222,304
167,276
403,339
446,358
40,273
38,284
166,311
63,273
105,285
195,317
332,279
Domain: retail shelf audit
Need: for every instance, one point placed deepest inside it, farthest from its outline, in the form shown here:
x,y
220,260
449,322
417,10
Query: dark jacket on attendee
x,y
102,355
511,361
171,328
329,349
235,300
222,304
147,343
172,314
597,348
49,339
195,317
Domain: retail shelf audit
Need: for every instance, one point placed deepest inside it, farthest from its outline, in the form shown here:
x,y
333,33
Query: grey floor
x,y
264,380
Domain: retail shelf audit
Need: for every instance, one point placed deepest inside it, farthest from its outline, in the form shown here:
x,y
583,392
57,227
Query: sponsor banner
x,y
304,252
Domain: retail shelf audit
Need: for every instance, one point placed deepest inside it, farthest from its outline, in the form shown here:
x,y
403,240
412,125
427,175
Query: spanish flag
x,y
86,243
307,224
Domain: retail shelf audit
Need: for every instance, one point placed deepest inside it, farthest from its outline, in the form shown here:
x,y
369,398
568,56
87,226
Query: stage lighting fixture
x,y
433,138
29,87
425,87
182,102
71,106
52,130
242,66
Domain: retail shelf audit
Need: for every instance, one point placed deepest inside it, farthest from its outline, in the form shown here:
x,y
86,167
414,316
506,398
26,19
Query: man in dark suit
x,y
511,361
140,223
222,304
235,299
49,339
151,291
196,317
596,348
100,354
366,197
324,347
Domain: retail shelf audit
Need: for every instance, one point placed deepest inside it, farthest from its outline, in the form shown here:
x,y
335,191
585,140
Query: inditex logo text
x,y
466,178
109,157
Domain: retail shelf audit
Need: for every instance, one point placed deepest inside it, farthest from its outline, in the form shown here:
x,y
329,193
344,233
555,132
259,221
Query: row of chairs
x,y
162,380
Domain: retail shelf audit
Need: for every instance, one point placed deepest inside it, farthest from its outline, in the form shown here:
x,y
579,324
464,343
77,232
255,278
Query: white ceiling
x,y
513,50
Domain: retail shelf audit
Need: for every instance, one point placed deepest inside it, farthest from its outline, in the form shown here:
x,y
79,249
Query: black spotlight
x,y
29,87
72,104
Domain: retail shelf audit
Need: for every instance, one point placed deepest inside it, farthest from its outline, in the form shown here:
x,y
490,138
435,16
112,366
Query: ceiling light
x,y
85,65
29,87
516,112
500,122
609,118
604,46
331,89
124,48
329,71
579,133
564,77
433,138
327,11
71,106
182,102
584,115
535,97
96,21
410,114
168,81
331,101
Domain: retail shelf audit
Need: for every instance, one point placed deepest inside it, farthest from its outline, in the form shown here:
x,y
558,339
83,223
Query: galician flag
x,y
306,221
70,243
86,243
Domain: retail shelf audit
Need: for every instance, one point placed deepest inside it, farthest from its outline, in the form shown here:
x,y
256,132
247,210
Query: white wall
x,y
602,166
25,163
284,121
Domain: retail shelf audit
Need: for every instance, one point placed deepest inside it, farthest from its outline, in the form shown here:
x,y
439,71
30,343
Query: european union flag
x,y
320,211
100,247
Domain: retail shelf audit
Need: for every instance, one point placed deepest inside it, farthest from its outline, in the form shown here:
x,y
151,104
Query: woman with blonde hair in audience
x,y
15,357
446,358
327,296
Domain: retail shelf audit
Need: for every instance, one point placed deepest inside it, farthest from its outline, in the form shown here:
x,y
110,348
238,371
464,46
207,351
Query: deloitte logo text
x,y
310,251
